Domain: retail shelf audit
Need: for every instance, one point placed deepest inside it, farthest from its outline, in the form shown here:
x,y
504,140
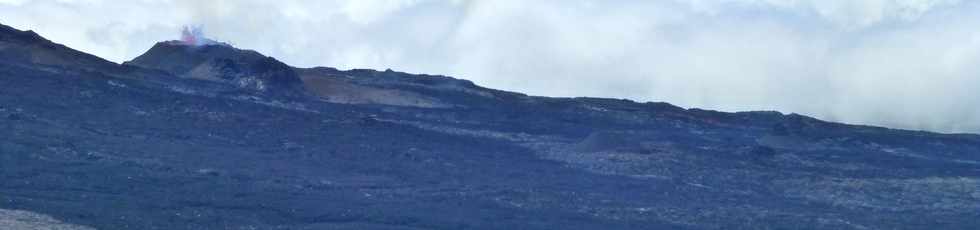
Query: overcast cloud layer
x,y
898,63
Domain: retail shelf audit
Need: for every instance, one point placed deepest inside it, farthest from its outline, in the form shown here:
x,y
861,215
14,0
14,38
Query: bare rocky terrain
x,y
215,137
23,220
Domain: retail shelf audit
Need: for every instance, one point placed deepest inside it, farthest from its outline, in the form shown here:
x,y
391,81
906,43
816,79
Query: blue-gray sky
x,y
898,63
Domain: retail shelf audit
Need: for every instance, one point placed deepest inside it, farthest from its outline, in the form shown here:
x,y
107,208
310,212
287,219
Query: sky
x,y
912,64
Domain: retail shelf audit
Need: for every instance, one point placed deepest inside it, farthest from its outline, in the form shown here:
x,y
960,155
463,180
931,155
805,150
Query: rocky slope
x,y
175,140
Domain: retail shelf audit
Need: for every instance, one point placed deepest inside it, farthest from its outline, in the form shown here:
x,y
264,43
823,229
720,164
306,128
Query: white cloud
x,y
13,2
845,13
901,63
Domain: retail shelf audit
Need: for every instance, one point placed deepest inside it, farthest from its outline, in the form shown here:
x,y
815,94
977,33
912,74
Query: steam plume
x,y
194,36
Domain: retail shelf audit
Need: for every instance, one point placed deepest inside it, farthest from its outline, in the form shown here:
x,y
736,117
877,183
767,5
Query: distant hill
x,y
219,63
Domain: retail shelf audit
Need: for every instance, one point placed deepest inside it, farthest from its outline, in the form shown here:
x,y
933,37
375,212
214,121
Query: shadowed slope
x,y
27,47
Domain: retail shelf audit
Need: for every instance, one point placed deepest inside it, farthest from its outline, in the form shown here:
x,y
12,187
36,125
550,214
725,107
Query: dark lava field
x,y
216,137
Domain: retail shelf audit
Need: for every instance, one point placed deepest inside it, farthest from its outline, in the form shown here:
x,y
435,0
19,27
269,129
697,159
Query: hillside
x,y
216,137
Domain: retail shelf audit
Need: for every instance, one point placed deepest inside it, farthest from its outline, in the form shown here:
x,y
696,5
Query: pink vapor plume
x,y
194,36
